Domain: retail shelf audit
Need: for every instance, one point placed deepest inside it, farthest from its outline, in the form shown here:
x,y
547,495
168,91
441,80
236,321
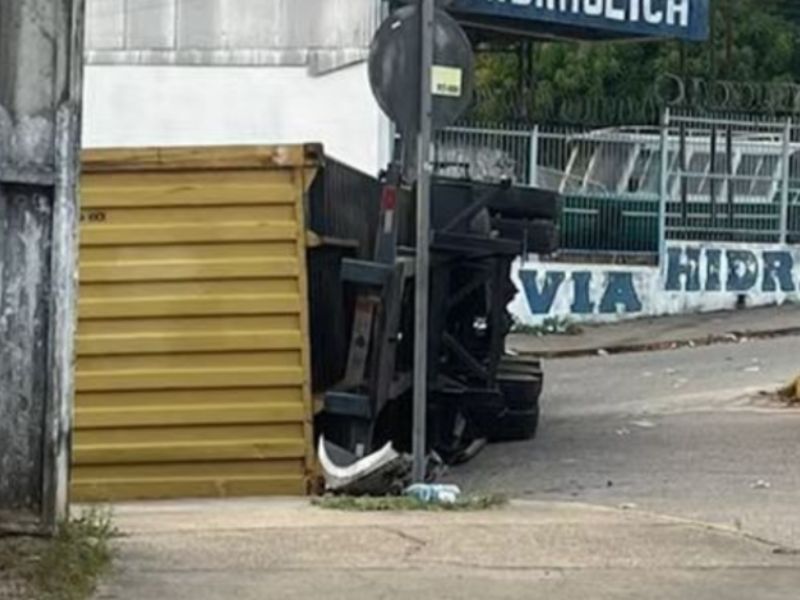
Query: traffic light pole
x,y
424,168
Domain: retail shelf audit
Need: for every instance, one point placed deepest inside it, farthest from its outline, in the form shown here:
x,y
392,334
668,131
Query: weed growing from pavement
x,y
67,566
791,393
407,503
550,326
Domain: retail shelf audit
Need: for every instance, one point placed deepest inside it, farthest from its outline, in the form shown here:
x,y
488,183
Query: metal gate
x,y
730,178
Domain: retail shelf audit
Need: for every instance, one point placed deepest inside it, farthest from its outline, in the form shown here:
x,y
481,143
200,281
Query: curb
x,y
732,337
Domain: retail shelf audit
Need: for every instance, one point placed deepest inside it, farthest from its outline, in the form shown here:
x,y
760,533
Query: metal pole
x,y
533,168
427,25
785,167
663,192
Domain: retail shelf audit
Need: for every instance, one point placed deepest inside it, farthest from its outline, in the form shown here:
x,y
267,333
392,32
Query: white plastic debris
x,y
434,493
378,473
761,485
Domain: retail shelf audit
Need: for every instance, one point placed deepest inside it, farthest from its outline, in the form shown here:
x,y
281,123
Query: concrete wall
x,y
131,105
695,278
40,70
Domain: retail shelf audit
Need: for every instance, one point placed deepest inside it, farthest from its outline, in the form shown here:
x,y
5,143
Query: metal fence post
x,y
663,189
785,167
533,158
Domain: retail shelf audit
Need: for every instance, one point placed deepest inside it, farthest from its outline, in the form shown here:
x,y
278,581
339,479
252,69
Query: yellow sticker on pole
x,y
446,81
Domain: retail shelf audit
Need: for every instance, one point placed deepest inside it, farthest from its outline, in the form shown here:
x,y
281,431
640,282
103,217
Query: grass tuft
x,y
407,503
67,566
550,326
791,393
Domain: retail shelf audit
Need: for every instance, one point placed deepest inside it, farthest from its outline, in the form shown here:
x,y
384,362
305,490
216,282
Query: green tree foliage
x,y
753,40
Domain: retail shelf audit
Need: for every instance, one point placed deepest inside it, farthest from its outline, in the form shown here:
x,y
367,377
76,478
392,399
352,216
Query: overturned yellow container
x,y
193,368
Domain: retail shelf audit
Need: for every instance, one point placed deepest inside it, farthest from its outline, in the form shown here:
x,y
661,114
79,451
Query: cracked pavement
x,y
660,475
251,549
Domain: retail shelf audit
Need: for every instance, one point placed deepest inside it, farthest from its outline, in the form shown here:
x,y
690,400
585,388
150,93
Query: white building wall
x,y
140,105
193,72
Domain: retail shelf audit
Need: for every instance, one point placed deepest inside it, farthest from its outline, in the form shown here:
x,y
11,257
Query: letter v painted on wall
x,y
541,299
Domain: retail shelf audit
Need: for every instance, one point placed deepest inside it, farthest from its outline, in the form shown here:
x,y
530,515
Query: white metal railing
x,y
728,178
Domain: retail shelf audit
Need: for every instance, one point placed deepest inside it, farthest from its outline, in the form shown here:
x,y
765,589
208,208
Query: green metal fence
x,y
630,189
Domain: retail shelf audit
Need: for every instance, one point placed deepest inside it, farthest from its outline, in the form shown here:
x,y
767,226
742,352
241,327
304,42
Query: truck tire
x,y
519,420
515,426
521,392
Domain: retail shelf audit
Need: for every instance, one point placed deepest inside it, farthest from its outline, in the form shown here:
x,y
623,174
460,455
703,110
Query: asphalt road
x,y
682,433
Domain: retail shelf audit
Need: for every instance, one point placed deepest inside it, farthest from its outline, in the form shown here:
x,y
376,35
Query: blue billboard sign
x,y
676,19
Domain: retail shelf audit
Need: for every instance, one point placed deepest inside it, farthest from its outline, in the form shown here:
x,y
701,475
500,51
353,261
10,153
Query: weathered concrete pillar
x,y
40,78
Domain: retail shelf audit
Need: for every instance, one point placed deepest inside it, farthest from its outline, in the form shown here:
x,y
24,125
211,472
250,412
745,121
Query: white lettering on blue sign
x,y
673,12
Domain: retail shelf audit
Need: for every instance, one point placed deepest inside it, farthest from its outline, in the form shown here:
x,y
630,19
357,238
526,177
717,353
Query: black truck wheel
x,y
521,392
519,420
516,426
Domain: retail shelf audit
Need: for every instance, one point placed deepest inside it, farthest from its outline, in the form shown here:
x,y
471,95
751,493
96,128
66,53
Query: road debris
x,y
628,506
643,424
383,472
433,493
761,484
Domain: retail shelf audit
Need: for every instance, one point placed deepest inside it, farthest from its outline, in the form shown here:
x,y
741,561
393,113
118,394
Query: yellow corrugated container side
x,y
193,361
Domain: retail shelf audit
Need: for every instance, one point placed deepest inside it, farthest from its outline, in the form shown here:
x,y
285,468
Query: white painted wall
x,y
696,278
130,105
527,311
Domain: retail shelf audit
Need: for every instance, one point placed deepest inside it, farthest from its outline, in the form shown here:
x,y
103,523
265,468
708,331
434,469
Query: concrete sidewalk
x,y
256,549
664,332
